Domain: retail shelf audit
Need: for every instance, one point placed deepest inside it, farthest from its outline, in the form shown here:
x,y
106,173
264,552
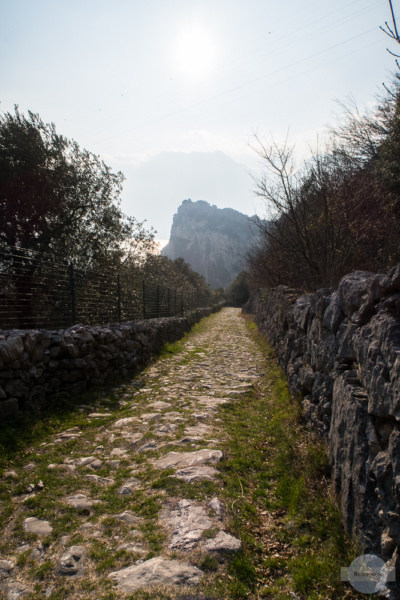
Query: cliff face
x,y
213,241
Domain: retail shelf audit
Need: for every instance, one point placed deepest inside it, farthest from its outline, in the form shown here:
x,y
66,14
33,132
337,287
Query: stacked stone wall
x,y
340,350
39,367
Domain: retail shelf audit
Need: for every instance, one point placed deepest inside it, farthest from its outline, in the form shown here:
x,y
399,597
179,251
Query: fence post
x,y
144,299
72,291
119,298
158,307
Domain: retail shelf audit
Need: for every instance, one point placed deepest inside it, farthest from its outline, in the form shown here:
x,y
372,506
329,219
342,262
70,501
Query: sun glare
x,y
195,53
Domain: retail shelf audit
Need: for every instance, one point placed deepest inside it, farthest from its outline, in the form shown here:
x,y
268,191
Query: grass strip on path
x,y
278,491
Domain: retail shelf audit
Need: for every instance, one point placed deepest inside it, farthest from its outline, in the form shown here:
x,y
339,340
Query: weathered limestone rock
x,y
98,479
151,445
133,547
117,452
223,543
84,461
129,486
34,525
216,506
123,423
72,561
352,290
127,516
81,503
99,415
187,522
14,590
188,459
6,568
159,405
196,473
156,572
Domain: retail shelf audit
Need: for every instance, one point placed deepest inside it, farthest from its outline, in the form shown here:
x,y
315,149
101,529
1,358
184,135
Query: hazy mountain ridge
x,y
214,241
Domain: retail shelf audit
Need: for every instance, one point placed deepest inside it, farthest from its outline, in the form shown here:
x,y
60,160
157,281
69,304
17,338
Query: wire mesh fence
x,y
45,291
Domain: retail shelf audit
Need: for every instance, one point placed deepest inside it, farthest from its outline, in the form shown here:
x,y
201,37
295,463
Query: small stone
x,y
191,440
114,464
101,480
34,525
6,568
188,459
134,440
223,542
81,502
187,522
159,405
122,423
216,506
37,553
118,452
84,461
134,547
64,540
10,475
39,486
152,445
127,516
150,416
30,488
96,464
69,434
156,572
129,486
71,562
98,415
14,590
196,473
164,429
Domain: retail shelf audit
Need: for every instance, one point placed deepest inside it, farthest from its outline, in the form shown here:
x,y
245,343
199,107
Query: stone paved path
x,y
128,500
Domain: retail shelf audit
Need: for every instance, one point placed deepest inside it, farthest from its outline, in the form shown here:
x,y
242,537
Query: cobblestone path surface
x,y
126,503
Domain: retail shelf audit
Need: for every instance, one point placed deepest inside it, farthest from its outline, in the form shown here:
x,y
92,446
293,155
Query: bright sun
x,y
195,53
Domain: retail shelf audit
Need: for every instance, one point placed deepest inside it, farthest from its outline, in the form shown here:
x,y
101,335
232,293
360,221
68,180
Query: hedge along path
x,y
139,496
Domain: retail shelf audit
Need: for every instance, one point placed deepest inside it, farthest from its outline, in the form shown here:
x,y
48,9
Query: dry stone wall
x,y
39,367
341,353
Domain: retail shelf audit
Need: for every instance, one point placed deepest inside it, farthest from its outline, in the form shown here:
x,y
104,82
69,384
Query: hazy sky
x,y
172,91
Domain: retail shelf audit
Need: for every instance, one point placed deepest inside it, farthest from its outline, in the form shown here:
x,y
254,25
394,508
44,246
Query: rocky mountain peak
x,y
214,241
